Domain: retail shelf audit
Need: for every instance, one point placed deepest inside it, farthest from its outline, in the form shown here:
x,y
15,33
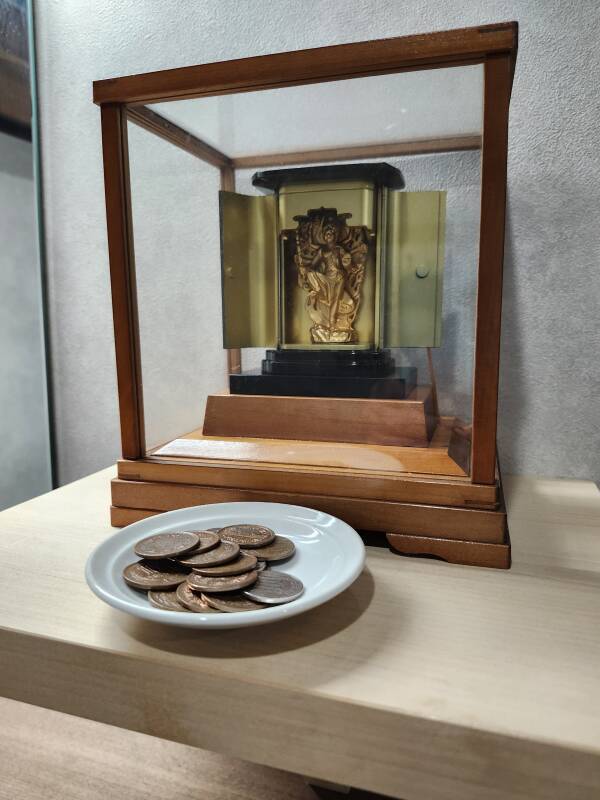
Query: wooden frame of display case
x,y
454,514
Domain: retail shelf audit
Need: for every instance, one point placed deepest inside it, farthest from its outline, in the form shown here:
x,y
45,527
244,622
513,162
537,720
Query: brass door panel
x,y
414,264
250,283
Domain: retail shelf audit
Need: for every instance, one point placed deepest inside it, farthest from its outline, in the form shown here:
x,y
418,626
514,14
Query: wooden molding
x,y
421,51
122,280
497,84
406,148
167,130
334,481
375,515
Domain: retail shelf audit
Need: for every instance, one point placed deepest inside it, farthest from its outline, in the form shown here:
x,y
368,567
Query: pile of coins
x,y
214,570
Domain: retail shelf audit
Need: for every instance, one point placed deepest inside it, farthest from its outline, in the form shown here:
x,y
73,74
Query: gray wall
x,y
25,462
549,412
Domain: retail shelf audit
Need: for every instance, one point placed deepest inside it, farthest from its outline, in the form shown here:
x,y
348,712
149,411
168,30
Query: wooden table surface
x,y
423,680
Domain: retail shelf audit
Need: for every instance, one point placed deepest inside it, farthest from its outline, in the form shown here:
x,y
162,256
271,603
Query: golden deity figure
x,y
331,257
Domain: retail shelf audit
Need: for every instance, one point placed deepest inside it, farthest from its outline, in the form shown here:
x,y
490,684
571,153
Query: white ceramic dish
x,y
329,557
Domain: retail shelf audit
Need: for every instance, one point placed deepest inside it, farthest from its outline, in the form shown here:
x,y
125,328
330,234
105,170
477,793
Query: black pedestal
x,y
327,373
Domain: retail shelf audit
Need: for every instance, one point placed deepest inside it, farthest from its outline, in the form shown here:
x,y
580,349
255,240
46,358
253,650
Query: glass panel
x,y
381,108
174,199
346,203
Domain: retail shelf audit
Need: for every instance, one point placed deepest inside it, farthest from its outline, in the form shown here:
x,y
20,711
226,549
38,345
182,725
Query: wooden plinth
x,y
406,423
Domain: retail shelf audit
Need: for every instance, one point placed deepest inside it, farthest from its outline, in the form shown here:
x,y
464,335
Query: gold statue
x,y
331,257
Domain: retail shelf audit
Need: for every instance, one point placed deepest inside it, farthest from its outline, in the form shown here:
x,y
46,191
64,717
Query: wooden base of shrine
x,y
420,498
453,551
385,516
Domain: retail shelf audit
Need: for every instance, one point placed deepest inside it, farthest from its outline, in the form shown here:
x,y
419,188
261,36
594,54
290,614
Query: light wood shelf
x,y
423,680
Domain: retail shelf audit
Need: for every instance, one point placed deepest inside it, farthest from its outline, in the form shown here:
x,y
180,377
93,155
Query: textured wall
x,y
23,408
549,414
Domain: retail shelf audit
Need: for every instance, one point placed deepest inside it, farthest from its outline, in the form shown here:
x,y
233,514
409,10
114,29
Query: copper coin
x,y
274,587
208,541
154,575
167,545
247,536
231,602
260,565
245,563
193,601
231,583
279,549
166,600
222,554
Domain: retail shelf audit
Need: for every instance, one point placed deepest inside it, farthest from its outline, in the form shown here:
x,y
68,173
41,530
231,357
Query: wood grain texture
x,y
444,144
363,686
403,423
122,280
374,515
151,121
120,517
370,484
431,460
454,551
61,757
442,48
497,86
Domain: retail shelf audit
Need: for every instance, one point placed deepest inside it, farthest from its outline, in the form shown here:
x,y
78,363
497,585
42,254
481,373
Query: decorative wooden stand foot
x,y
455,551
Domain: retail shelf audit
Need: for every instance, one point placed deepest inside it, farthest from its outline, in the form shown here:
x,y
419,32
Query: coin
x,y
208,540
231,602
154,575
166,545
231,583
222,554
279,549
193,601
166,600
248,536
273,586
245,563
260,565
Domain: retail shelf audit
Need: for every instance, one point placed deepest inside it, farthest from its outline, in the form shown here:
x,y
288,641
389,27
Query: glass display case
x,y
306,250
